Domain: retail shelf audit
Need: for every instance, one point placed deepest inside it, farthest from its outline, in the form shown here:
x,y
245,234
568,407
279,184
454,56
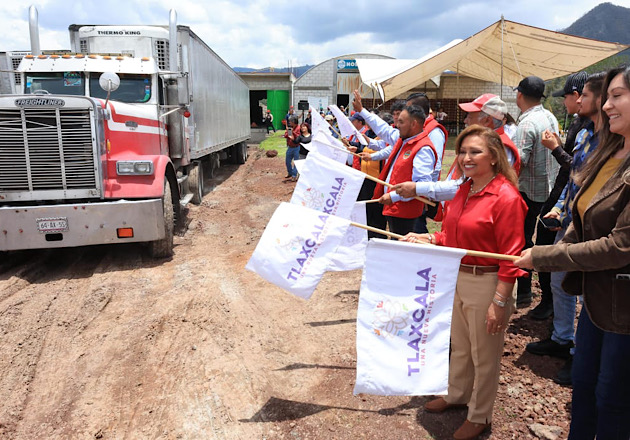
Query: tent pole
x,y
457,129
502,27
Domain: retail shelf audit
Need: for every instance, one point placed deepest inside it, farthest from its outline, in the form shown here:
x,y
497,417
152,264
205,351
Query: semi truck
x,y
106,143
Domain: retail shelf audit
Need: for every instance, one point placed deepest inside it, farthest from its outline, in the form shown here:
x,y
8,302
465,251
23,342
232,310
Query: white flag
x,y
404,318
327,186
345,126
328,146
318,123
299,164
350,255
293,252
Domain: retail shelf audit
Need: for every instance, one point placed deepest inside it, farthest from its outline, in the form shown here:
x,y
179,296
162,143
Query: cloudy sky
x,y
260,33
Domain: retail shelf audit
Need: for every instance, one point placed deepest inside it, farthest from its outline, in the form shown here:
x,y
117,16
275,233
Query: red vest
x,y
402,172
455,173
430,124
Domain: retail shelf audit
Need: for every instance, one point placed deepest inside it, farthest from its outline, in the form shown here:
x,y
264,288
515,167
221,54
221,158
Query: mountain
x,y
297,71
605,22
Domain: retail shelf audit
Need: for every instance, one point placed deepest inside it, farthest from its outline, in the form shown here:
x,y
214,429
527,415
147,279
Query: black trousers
x,y
401,226
524,288
421,224
373,211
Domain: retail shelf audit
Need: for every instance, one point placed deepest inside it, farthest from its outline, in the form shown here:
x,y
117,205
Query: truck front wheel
x,y
164,248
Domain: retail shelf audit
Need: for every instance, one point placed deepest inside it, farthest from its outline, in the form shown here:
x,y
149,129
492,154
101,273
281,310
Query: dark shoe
x,y
288,176
470,430
440,405
549,347
542,311
564,375
523,300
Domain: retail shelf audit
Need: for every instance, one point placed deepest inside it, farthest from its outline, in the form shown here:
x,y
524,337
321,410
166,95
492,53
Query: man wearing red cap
x,y
490,111
487,110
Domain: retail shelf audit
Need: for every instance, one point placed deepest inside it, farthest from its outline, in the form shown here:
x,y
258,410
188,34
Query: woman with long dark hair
x,y
595,252
487,214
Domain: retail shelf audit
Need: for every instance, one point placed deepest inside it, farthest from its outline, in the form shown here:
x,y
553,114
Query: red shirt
x,y
490,221
296,133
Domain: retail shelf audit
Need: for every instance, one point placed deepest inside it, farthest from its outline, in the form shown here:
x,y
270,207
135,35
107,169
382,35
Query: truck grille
x,y
43,149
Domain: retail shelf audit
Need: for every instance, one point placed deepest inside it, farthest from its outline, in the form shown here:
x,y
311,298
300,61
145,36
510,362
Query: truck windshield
x,y
133,88
55,83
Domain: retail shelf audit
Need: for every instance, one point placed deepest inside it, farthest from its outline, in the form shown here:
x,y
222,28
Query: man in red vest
x,y
436,132
414,158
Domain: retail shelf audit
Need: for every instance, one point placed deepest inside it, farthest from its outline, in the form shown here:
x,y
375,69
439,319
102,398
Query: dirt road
x,y
104,342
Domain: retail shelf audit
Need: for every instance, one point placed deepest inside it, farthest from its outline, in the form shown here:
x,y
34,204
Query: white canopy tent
x,y
504,53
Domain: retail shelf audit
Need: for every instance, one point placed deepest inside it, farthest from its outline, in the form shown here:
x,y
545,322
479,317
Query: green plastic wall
x,y
278,103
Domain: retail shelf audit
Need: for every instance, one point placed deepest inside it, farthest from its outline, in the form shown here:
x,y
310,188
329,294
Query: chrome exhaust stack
x,y
172,36
33,28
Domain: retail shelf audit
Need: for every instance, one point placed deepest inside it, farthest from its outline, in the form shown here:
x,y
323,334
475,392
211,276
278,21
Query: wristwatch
x,y
497,302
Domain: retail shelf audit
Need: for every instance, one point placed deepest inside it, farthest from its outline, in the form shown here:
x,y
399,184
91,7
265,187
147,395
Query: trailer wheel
x,y
195,182
164,248
241,153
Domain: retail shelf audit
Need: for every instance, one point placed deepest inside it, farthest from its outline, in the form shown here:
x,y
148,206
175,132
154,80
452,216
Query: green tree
x,y
556,106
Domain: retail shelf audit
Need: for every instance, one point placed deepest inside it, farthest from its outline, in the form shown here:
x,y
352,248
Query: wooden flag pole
x,y
389,185
480,254
368,201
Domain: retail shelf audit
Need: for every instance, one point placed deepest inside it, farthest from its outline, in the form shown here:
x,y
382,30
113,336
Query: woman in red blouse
x,y
487,214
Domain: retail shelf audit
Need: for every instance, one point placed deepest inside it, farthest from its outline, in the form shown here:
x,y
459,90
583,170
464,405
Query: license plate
x,y
59,224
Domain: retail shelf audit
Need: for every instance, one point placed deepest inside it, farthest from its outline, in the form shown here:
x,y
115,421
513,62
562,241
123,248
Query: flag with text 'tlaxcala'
x,y
404,318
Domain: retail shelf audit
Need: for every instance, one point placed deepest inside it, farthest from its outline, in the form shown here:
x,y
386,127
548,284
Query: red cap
x,y
475,106
268,111
291,107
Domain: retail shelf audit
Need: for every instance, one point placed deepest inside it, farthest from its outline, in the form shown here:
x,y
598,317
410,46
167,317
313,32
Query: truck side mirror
x,y
109,82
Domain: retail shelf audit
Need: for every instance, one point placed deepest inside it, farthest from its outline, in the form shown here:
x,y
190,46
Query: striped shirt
x,y
538,167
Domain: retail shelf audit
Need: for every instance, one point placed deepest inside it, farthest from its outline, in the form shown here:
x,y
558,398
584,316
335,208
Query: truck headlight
x,y
134,167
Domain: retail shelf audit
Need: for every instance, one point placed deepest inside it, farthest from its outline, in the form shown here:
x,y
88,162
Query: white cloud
x,y
265,33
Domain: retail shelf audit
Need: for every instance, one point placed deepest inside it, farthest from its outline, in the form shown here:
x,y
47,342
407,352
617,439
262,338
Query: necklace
x,y
473,191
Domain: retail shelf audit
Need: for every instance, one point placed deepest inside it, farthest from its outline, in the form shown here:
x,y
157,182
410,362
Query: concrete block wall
x,y
470,88
320,81
317,82
321,75
303,95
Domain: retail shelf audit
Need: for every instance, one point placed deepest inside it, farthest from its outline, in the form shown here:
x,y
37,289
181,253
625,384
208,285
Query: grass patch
x,y
275,142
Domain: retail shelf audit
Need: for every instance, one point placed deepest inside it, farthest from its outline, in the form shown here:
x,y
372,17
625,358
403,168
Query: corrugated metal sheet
x,y
220,99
